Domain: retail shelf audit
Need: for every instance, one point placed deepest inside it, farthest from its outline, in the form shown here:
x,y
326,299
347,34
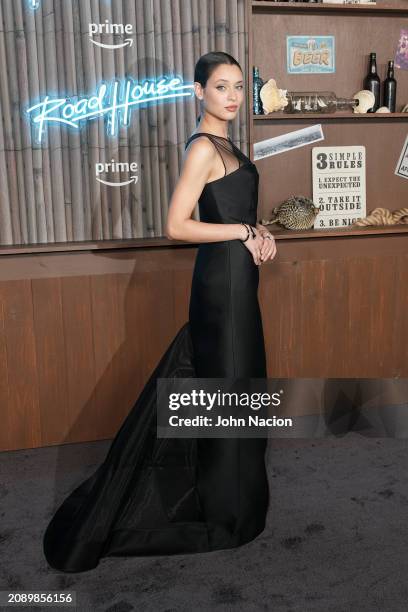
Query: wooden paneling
x,y
79,335
334,307
21,410
51,357
81,332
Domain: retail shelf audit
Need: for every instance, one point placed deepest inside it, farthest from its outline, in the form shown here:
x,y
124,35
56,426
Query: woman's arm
x,y
197,167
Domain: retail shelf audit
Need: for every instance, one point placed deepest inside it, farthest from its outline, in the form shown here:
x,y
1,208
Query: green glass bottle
x,y
257,83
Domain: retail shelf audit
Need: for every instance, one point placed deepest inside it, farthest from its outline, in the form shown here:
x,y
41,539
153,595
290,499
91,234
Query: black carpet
x,y
336,539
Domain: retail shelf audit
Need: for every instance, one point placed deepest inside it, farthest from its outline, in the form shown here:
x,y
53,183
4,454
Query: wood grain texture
x,y
80,333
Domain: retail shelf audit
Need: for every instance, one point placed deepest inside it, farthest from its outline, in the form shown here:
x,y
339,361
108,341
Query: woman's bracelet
x,y
248,232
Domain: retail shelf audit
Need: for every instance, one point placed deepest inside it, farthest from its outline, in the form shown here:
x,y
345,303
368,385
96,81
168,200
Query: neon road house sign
x,y
114,101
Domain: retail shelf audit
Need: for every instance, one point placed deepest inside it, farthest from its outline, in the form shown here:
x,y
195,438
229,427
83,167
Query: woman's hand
x,y
268,249
254,244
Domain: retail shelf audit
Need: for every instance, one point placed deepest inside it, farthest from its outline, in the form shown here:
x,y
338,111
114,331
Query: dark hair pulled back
x,y
208,63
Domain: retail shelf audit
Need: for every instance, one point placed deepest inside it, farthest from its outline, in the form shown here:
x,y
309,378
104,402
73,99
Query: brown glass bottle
x,y
390,88
372,82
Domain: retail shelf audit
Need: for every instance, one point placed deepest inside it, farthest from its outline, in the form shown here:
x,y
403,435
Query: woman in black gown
x,y
162,496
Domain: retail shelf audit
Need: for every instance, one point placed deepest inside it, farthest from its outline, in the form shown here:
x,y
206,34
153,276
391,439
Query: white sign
x,y
402,166
339,185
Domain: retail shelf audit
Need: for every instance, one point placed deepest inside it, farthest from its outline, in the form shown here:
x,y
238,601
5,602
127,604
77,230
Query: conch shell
x,y
366,100
273,98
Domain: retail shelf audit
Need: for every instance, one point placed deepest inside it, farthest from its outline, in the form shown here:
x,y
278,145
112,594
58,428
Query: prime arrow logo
x,y
133,179
127,43
120,31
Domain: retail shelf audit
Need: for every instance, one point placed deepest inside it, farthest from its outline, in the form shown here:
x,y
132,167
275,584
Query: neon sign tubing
x,y
118,108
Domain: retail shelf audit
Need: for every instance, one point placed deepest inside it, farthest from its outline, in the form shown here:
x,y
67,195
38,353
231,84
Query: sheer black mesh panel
x,y
231,156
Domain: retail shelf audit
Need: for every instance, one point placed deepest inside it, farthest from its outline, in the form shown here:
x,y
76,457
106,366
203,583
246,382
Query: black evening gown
x,y
163,496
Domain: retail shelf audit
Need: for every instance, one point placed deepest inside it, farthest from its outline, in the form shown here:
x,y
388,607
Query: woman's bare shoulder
x,y
198,161
201,149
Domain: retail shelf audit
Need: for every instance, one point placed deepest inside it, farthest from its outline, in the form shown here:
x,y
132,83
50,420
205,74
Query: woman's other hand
x,y
268,248
254,243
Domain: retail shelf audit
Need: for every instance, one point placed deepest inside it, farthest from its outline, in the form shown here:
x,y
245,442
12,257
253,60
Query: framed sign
x,y
286,142
310,54
339,185
402,165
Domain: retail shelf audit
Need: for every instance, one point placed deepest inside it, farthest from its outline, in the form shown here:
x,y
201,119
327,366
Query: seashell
x,y
366,100
383,109
405,109
273,98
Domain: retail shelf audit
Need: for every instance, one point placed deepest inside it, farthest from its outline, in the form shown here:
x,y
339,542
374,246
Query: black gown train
x,y
162,496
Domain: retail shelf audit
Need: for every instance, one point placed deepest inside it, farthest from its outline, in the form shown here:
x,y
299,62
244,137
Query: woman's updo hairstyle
x,y
208,63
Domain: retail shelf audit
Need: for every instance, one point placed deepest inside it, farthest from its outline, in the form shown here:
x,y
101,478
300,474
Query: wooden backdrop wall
x,y
49,193
81,332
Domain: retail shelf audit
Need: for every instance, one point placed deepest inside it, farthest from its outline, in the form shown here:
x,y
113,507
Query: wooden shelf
x,y
86,245
263,6
382,134
163,242
279,116
285,234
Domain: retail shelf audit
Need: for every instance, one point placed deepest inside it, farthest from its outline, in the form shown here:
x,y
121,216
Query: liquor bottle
x,y
256,88
372,82
390,88
317,102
